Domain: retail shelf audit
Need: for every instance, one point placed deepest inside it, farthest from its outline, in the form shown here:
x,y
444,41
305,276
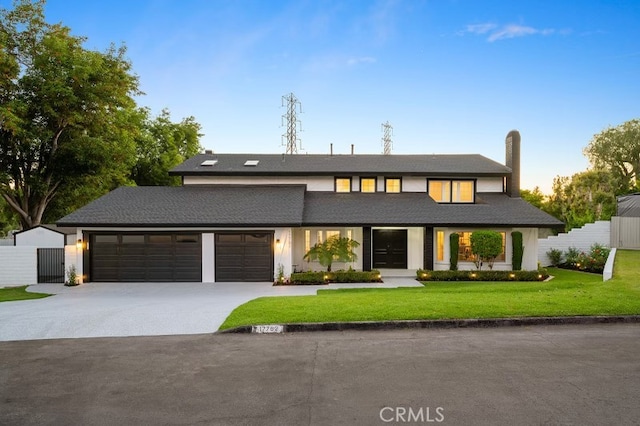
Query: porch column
x,y
366,248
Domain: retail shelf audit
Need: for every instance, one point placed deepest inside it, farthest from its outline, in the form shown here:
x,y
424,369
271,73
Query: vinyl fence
x,y
625,232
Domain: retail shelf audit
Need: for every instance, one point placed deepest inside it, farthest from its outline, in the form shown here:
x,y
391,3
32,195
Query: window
x,y
319,238
160,239
133,239
464,249
331,234
343,184
367,184
452,191
392,185
349,234
307,240
440,246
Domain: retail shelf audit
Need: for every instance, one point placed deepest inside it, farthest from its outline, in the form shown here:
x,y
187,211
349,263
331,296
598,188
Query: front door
x,y
390,248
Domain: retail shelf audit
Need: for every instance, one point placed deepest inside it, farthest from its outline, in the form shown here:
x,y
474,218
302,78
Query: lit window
x,y
349,234
331,234
343,185
368,185
452,191
440,190
319,237
307,240
464,248
440,245
392,185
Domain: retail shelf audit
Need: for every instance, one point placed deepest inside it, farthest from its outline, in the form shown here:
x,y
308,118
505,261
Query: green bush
x,y
518,250
72,276
322,277
486,245
555,256
454,246
425,275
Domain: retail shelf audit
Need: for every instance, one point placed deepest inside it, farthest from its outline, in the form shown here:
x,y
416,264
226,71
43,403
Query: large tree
x,y
618,149
65,111
162,145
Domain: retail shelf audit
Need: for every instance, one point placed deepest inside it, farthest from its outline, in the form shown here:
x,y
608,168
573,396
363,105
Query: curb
x,y
432,324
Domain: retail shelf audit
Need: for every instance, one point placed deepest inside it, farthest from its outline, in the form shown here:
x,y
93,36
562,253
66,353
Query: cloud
x,y
360,60
496,32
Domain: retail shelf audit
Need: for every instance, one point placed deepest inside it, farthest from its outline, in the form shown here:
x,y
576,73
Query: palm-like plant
x,y
334,249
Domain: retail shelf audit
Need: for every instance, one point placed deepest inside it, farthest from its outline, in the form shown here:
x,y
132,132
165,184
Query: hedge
x,y
425,275
324,277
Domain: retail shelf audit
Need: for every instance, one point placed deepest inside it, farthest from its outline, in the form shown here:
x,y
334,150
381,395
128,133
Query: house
x,y
241,217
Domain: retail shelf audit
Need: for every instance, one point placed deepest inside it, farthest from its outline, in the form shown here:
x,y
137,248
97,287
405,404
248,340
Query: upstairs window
x,y
452,191
367,184
393,185
343,184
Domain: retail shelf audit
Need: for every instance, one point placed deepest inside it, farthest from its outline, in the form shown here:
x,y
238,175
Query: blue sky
x,y
450,76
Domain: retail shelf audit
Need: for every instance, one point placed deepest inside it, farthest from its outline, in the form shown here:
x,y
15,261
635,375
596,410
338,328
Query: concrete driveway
x,y
139,309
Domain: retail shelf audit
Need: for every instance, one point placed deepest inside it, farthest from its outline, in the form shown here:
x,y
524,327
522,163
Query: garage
x,y
244,256
145,257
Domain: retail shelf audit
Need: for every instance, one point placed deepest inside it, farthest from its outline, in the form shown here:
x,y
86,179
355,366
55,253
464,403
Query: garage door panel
x,y
146,257
244,256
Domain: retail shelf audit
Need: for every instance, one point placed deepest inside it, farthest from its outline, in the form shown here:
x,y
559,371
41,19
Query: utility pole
x,y
387,131
290,138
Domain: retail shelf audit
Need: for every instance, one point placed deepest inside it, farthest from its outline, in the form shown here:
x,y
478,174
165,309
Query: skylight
x,y
251,163
209,162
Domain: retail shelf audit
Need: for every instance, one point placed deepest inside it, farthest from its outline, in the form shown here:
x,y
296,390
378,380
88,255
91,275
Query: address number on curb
x,y
263,329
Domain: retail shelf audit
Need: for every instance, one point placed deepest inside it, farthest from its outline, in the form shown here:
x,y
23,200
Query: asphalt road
x,y
579,375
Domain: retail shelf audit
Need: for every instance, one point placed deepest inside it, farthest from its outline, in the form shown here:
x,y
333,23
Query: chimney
x,y
352,148
331,149
512,151
208,151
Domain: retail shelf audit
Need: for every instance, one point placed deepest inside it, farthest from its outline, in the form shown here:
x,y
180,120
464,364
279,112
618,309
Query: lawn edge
x,y
442,324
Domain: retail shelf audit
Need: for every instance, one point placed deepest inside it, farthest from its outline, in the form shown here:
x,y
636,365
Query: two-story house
x,y
240,217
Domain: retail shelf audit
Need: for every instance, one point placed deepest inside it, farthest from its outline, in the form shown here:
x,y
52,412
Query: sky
x,y
449,76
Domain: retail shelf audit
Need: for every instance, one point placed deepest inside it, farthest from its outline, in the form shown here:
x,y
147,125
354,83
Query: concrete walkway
x,y
140,309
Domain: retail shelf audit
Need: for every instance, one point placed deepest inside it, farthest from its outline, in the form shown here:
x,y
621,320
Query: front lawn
x,y
19,293
569,293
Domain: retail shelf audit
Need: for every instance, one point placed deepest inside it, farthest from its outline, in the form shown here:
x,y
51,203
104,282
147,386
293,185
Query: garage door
x,y
146,257
244,257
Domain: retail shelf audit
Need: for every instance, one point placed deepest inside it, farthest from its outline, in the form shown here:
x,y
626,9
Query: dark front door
x,y
390,248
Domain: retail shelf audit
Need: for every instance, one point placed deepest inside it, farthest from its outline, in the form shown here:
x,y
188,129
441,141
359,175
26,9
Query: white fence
x,y
18,266
580,238
625,232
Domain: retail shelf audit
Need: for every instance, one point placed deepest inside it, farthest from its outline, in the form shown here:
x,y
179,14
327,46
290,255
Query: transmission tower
x,y
290,138
387,131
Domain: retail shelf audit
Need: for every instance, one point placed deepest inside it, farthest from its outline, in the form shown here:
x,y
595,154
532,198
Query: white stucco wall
x,y
18,266
40,237
414,184
489,184
415,248
208,257
314,183
282,251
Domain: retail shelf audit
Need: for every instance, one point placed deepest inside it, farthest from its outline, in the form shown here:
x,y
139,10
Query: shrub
x,y
486,245
321,277
572,256
424,275
555,256
72,277
518,250
454,245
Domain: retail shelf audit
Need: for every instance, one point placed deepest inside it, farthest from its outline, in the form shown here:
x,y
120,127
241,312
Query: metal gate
x,y
50,265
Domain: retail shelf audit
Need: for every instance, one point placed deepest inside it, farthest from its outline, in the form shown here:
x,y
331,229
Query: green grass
x,y
19,293
569,293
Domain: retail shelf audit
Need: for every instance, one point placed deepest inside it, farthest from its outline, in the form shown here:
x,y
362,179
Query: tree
x,y
584,197
333,249
161,146
8,219
486,246
535,198
65,112
617,149
517,250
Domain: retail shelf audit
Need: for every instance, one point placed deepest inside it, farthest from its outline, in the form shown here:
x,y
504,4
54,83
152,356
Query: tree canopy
x,y
64,110
617,149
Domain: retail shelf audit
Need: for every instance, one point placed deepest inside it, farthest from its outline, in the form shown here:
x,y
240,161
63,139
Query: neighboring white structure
x,y
40,237
579,238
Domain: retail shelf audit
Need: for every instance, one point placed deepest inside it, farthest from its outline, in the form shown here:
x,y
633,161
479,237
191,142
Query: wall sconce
x,y
278,242
79,244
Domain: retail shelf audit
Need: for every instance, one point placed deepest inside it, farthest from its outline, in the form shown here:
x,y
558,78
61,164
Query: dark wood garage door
x,y
244,257
146,257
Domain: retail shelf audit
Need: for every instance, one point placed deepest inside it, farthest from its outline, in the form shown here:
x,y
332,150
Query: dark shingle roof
x,y
193,206
273,164
491,209
284,205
